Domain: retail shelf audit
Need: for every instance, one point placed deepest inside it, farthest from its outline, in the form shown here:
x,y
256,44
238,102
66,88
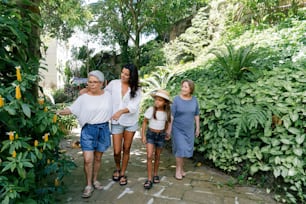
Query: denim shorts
x,y
95,137
118,129
157,139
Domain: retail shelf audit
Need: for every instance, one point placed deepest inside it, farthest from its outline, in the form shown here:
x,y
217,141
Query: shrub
x,y
257,129
30,163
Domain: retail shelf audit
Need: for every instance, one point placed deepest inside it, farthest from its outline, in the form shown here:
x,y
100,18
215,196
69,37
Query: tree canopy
x,y
123,22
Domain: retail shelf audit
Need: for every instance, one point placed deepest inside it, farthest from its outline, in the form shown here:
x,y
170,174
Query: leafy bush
x,y
257,129
31,165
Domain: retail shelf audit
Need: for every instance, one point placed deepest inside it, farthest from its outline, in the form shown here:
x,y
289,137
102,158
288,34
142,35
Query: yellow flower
x,y
41,101
46,109
48,161
54,118
18,93
41,150
18,73
16,136
11,136
1,102
46,137
14,154
35,143
56,182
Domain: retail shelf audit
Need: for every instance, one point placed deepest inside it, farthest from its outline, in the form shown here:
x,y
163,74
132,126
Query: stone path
x,y
201,184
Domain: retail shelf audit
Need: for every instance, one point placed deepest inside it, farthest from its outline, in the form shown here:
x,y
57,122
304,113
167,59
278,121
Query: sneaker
x,y
87,192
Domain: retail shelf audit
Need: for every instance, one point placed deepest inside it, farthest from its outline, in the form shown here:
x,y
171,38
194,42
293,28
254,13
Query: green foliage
x,y
262,13
235,62
121,22
60,96
152,56
68,122
257,129
66,15
31,167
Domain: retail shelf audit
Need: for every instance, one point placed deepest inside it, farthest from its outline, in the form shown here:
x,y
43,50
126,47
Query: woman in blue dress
x,y
185,126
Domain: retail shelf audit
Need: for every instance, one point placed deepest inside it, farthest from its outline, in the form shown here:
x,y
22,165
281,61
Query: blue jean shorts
x,y
95,137
119,129
157,139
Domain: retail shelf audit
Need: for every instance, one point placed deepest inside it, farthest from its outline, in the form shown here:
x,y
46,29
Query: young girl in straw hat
x,y
153,133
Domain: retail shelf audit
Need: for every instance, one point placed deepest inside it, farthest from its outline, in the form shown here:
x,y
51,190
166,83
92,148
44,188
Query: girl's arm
x,y
143,130
197,123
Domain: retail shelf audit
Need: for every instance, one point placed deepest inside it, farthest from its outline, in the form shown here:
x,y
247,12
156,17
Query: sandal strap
x,y
98,185
148,184
156,179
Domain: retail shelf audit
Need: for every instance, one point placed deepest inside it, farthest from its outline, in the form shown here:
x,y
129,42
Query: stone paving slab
x,y
201,184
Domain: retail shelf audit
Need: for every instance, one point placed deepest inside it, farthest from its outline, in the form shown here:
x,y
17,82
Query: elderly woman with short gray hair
x,y
93,111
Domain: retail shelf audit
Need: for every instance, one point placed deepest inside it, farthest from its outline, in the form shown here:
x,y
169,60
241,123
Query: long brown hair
x,y
167,109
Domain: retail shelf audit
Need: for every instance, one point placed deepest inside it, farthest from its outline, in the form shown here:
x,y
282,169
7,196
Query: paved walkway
x,y
201,184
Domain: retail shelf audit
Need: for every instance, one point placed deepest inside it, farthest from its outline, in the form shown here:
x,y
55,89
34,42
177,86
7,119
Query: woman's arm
x,y
143,130
169,129
117,115
197,123
65,111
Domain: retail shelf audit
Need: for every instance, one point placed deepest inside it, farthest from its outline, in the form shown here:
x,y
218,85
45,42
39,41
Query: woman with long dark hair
x,y
126,96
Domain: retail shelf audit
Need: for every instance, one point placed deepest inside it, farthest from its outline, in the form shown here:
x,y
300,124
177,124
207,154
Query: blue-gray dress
x,y
183,127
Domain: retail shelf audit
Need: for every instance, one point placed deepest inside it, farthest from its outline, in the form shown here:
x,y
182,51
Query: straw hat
x,y
163,94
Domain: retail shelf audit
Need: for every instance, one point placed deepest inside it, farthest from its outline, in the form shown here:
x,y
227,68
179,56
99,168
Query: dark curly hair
x,y
134,79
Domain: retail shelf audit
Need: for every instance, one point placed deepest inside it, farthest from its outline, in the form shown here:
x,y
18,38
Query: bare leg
x,y
150,148
179,163
158,151
97,164
117,145
182,170
128,139
88,166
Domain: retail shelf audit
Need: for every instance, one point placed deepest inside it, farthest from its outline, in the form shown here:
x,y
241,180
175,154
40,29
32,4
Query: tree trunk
x,y
34,41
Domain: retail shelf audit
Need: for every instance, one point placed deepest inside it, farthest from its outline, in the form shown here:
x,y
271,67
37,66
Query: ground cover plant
x,y
253,125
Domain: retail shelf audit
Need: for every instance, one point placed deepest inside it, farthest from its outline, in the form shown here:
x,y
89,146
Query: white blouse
x,y
92,109
121,102
160,121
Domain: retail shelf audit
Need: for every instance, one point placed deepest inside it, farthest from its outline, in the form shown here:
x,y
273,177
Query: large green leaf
x,y
26,110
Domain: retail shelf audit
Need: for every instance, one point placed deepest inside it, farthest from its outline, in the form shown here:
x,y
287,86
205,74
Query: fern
x,y
249,117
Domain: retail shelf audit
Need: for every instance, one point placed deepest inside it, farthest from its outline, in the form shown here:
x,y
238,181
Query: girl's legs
x,y
182,170
158,151
150,149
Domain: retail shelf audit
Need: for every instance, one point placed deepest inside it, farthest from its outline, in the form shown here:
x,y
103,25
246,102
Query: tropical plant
x,y
31,166
235,61
160,79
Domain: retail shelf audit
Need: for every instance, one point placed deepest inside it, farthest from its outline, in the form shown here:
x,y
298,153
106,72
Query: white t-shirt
x,y
121,102
92,109
160,121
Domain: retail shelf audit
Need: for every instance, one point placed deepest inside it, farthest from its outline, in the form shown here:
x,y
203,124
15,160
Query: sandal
x,y
97,185
117,176
148,184
156,179
87,192
123,180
